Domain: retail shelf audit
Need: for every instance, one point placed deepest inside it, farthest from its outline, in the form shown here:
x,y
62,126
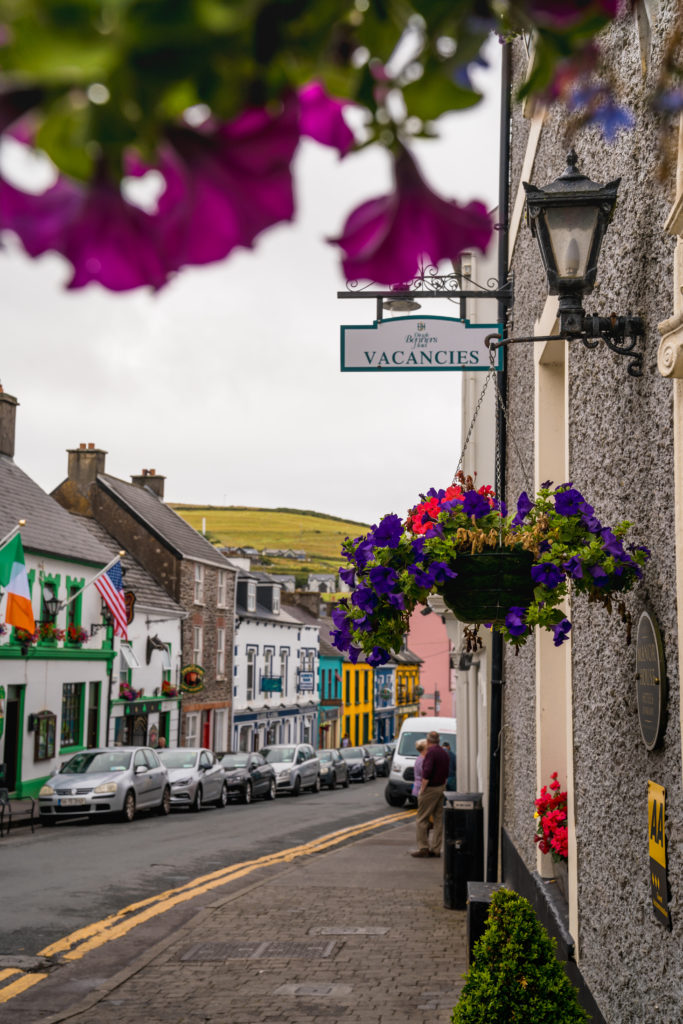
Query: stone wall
x,y
621,457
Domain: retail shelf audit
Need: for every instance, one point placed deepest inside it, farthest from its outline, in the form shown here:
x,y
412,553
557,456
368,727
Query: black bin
x,y
463,829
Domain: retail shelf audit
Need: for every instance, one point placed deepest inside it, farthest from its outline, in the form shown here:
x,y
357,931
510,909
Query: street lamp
x,y
52,604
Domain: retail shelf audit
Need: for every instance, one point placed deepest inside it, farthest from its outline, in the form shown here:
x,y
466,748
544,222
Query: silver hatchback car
x,y
107,780
197,777
296,767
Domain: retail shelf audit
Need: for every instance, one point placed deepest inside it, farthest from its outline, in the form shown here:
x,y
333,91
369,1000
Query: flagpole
x,y
90,582
8,537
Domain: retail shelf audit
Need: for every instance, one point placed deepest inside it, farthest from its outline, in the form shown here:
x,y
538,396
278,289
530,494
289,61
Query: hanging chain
x,y
489,377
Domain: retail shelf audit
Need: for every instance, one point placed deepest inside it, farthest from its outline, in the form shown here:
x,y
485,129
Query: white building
x,y
275,693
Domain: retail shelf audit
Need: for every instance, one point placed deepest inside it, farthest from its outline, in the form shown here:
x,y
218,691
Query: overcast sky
x,y
228,380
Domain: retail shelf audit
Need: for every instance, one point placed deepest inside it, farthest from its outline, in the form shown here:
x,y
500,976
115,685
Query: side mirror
x,y
140,769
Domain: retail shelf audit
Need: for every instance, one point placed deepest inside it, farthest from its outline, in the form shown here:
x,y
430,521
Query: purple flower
x,y
397,601
573,567
321,118
561,632
514,621
476,505
548,574
599,575
524,507
611,544
364,599
225,184
441,572
640,547
354,653
569,502
339,617
418,547
341,639
389,531
348,576
378,656
544,546
383,579
363,552
422,576
385,239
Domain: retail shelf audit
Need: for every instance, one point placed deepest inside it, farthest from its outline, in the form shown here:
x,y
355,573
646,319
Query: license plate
x,y
70,801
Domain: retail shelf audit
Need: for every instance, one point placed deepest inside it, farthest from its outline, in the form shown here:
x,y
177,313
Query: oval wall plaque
x,y
650,680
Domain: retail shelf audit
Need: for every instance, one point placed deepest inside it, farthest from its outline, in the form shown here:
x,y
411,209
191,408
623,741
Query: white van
x,y
402,775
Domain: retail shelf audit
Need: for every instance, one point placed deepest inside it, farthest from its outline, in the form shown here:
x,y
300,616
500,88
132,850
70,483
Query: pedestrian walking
x,y
451,783
346,742
430,799
421,746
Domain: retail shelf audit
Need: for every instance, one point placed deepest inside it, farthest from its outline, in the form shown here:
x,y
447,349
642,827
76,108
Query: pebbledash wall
x,y
613,436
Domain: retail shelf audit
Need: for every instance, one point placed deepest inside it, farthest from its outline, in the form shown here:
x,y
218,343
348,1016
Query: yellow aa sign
x,y
656,802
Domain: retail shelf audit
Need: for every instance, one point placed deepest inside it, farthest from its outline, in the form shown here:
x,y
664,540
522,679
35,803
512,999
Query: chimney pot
x,y
83,445
152,472
91,445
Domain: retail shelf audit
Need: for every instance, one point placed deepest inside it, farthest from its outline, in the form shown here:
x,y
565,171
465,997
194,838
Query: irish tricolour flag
x,y
14,580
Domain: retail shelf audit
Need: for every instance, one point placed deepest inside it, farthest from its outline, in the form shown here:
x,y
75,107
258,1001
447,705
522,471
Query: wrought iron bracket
x,y
620,334
431,285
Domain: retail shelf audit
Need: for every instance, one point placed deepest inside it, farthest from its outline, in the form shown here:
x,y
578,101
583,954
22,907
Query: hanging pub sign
x,y
192,678
650,680
129,598
418,343
659,887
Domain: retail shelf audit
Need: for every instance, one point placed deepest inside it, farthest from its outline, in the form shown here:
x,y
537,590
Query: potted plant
x,y
48,632
76,634
515,974
510,571
551,828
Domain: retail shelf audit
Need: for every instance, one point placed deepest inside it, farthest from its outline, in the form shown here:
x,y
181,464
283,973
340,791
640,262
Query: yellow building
x,y
357,695
408,690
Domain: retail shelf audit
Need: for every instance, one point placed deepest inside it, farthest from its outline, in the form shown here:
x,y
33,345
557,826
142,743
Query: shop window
x,y
93,736
45,730
72,715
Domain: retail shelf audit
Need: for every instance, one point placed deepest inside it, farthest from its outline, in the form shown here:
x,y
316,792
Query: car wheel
x,y
345,783
315,788
128,810
393,799
246,796
223,798
364,775
47,822
196,804
333,783
296,787
272,790
165,806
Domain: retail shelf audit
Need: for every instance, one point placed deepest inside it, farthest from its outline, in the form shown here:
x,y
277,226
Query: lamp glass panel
x,y
571,230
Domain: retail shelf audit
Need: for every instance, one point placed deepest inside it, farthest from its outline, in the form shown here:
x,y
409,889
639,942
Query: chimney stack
x,y
85,463
149,478
8,415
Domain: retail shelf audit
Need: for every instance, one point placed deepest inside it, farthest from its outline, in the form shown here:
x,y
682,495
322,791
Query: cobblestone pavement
x,y
359,934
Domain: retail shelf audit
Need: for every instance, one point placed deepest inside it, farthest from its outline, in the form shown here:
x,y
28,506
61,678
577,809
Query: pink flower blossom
x,y
321,118
385,239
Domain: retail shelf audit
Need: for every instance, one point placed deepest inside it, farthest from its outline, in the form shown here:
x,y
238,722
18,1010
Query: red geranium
x,y
551,815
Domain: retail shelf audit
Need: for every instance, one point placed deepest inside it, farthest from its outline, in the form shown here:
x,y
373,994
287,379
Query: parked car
x,y
296,767
382,754
249,775
333,769
360,762
196,776
107,780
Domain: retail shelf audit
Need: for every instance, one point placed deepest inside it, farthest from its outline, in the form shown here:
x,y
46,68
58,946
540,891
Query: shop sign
x,y
129,599
307,682
650,680
271,684
406,343
659,888
140,707
192,678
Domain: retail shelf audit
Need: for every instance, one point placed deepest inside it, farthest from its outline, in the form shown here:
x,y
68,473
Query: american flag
x,y
110,586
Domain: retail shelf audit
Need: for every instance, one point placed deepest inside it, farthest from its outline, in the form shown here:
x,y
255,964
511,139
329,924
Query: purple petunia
x,y
339,616
364,552
561,632
599,575
378,656
354,653
514,621
548,574
364,599
476,505
422,576
524,507
573,567
569,502
348,576
383,579
388,533
441,572
611,544
418,546
321,118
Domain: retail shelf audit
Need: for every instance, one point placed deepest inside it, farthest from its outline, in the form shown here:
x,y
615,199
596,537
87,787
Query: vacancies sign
x,y
418,343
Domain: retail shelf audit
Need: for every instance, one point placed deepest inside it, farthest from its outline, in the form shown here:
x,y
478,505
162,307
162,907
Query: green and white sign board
x,y
418,343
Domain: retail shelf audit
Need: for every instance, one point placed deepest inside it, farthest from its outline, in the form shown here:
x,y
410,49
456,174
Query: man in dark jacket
x,y
430,798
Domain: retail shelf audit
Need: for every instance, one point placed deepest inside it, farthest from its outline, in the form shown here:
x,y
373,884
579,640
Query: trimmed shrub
x,y
515,975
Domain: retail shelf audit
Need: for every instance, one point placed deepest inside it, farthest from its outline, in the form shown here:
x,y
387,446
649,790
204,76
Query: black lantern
x,y
569,218
51,604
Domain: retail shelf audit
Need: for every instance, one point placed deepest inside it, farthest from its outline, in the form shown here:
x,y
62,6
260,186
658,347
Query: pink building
x,y
428,638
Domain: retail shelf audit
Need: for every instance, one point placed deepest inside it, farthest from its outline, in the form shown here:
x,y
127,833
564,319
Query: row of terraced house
x,y
216,655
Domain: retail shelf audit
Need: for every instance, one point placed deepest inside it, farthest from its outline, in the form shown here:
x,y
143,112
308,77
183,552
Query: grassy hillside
x,y
320,536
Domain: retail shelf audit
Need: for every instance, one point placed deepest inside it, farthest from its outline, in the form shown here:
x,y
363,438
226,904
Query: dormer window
x,y
251,596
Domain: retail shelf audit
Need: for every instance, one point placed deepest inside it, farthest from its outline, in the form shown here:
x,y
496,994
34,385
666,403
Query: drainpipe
x,y
495,751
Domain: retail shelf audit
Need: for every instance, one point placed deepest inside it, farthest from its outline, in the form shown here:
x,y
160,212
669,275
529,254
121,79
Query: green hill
x,y
319,535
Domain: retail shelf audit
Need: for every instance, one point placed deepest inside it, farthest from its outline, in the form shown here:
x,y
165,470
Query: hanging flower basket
x,y
419,691
488,584
385,693
512,572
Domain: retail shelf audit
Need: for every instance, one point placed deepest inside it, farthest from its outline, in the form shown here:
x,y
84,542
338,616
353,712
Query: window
x,y
198,583
197,644
192,729
93,734
72,718
276,600
222,587
366,683
220,729
220,652
284,668
251,596
251,672
268,655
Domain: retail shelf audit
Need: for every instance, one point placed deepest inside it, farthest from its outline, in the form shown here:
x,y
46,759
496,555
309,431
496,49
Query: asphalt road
x,y
66,877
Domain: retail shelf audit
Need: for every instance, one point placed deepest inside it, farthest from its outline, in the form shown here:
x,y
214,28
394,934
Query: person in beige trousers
x,y
435,770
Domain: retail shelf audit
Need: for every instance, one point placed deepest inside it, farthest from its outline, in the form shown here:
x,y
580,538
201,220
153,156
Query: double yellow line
x,y
82,941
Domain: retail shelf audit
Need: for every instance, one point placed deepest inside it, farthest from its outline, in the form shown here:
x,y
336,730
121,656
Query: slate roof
x,y
326,648
148,593
162,521
49,529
